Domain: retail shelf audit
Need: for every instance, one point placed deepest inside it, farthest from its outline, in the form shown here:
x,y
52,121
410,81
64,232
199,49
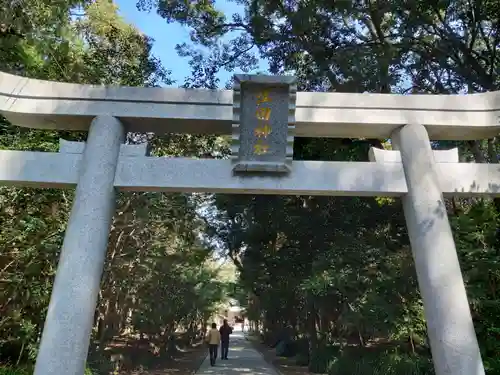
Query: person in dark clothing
x,y
225,330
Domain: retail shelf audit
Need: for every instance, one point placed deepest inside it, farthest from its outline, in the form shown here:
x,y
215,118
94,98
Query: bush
x,y
492,366
302,352
7,370
270,338
389,362
302,346
302,359
322,358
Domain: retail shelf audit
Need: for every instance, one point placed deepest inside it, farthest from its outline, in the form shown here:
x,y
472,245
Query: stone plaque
x,y
263,123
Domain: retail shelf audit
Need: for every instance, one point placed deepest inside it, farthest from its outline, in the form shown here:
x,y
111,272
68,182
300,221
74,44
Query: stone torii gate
x,y
263,114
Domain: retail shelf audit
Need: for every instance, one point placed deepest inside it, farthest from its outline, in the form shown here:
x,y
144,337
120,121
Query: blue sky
x,y
168,35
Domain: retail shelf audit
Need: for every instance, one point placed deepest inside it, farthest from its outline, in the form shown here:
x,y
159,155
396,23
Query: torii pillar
x,y
66,333
454,346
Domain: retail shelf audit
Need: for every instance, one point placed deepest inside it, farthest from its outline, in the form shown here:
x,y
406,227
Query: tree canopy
x,y
158,282
338,271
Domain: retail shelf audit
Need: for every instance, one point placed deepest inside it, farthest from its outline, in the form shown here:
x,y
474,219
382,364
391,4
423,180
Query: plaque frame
x,y
248,166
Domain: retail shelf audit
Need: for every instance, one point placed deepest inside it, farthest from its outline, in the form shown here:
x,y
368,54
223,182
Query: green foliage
x,y
476,231
339,271
322,358
385,363
7,370
157,279
14,371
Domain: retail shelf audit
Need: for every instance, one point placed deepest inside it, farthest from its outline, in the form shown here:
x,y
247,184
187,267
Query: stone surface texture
x,y
263,93
43,104
455,350
66,333
142,173
394,156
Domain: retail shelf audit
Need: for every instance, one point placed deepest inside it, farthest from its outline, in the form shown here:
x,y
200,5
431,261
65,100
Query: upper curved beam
x,y
54,105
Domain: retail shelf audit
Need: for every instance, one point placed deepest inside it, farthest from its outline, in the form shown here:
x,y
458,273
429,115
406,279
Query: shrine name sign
x,y
263,123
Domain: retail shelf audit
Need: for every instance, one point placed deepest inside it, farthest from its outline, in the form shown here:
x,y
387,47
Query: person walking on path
x,y
225,331
213,340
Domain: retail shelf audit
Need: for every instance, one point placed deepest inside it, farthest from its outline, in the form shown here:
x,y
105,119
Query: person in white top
x,y
213,341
